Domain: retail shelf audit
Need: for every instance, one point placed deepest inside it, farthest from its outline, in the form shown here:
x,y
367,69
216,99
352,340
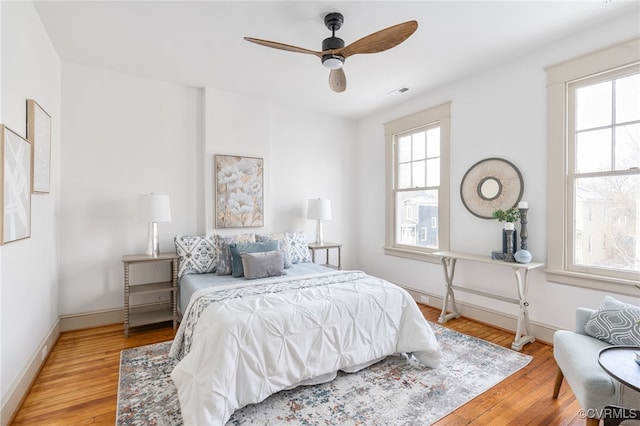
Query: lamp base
x,y
153,242
319,233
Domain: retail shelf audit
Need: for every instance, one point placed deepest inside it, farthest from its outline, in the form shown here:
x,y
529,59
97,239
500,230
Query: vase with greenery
x,y
509,217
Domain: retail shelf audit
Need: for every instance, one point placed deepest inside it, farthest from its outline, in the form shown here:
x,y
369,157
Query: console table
x,y
521,271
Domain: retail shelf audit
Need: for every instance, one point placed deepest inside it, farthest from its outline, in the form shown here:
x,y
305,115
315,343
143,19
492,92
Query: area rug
x,y
394,391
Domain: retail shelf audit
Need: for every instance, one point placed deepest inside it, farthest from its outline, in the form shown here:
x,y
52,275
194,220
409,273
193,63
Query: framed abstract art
x,y
39,133
16,185
239,191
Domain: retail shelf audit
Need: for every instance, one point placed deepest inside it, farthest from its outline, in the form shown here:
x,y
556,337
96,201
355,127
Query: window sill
x,y
593,282
411,254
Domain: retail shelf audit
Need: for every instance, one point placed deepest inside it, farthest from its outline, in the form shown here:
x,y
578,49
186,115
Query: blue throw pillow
x,y
236,260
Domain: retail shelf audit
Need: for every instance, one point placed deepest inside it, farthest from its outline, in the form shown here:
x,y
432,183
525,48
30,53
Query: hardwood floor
x,y
78,385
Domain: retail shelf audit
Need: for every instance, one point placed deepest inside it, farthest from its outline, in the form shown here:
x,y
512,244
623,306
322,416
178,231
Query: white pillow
x,y
198,254
299,248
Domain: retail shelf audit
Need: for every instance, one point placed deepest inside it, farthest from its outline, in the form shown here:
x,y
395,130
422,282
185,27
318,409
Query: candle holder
x,y
509,253
524,235
523,255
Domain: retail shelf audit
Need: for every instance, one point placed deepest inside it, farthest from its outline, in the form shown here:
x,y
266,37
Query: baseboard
x,y
91,319
21,387
542,332
101,318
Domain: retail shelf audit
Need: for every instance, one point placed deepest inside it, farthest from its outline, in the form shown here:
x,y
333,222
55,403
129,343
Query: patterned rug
x,y
393,391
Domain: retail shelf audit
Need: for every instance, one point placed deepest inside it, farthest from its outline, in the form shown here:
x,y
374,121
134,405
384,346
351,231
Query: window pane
x,y
593,106
418,146
404,149
606,222
417,218
433,142
593,151
418,174
628,99
627,146
433,172
404,176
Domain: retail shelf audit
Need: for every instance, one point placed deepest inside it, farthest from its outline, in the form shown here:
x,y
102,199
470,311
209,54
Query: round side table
x,y
619,362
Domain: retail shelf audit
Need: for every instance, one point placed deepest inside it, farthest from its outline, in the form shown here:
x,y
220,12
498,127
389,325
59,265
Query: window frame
x,y
559,156
439,114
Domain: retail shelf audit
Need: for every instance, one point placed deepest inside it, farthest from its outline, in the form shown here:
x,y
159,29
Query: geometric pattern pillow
x,y
285,245
224,265
615,322
197,254
299,250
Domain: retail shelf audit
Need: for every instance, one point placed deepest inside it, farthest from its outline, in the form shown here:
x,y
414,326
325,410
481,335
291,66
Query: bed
x,y
241,340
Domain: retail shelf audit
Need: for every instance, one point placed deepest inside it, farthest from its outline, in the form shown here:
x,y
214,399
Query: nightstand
x,y
141,315
326,246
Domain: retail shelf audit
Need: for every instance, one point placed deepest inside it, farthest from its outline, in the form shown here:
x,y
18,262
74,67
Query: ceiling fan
x,y
334,52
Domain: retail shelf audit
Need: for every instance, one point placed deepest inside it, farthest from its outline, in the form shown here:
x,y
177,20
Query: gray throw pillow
x,y
615,322
237,269
262,264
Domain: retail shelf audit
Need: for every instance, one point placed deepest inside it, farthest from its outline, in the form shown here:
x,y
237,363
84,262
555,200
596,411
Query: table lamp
x,y
154,208
319,209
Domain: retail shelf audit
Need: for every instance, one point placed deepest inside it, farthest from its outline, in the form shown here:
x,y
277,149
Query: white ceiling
x,y
201,44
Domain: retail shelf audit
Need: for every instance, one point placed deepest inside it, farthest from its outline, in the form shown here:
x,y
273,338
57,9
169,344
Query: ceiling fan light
x,y
332,62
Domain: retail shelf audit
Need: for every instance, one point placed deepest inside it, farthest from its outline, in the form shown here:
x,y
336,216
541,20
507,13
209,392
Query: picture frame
x,y
239,191
16,186
39,133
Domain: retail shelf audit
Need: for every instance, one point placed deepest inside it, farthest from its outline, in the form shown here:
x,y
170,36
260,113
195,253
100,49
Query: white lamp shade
x,y
319,209
154,208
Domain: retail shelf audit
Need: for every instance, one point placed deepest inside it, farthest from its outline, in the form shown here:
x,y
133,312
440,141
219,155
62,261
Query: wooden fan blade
x,y
381,40
337,80
282,46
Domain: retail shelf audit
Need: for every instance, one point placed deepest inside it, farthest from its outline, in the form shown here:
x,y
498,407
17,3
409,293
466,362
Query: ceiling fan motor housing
x,y
333,21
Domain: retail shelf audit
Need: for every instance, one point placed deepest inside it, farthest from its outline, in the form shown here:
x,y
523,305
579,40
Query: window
x,y
417,156
594,150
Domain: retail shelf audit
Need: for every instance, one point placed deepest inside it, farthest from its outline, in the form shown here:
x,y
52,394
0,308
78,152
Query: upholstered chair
x,y
576,353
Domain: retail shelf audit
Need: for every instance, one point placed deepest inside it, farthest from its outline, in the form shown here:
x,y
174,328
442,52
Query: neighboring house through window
x,y
417,177
594,169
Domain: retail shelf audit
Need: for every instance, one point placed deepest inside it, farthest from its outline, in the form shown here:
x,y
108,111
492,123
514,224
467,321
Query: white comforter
x,y
238,346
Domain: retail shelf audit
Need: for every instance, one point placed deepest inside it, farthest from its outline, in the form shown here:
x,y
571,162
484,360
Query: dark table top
x,y
619,362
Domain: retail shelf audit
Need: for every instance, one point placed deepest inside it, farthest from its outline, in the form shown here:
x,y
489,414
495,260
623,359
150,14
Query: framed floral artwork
x,y
239,191
16,185
39,133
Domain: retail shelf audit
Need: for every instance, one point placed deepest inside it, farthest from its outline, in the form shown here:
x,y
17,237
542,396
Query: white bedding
x,y
239,344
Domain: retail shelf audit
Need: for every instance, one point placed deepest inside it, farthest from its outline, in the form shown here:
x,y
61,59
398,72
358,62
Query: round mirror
x,y
490,184
489,188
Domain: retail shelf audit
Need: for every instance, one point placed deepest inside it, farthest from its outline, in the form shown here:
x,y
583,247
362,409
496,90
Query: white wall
x,y
123,136
29,267
302,160
498,113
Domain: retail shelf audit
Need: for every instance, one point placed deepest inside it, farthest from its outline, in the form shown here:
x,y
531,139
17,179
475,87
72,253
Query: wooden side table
x,y
327,246
135,316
